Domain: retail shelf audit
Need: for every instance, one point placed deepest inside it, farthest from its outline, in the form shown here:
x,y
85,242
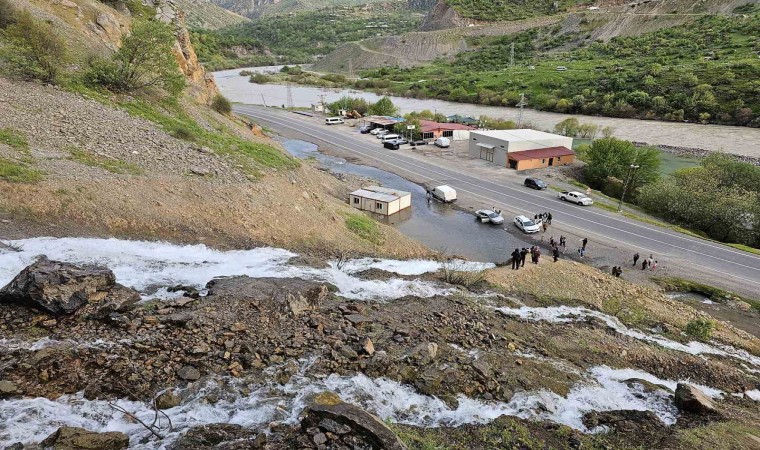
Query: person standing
x,y
644,264
555,253
653,266
546,225
563,243
549,218
538,254
584,241
516,259
635,258
523,255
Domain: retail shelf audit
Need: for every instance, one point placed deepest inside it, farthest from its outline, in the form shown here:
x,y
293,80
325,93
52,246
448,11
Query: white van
x,y
444,193
389,136
334,120
442,142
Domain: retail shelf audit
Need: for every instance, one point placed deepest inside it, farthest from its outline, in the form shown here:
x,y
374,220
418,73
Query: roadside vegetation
x,y
676,284
364,227
111,165
18,172
706,71
294,38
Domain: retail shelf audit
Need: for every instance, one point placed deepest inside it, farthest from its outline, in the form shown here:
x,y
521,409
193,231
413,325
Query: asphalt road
x,y
729,265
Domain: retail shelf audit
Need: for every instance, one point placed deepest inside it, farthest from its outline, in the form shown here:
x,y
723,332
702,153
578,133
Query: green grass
x,y
716,294
364,227
745,248
17,172
13,138
111,165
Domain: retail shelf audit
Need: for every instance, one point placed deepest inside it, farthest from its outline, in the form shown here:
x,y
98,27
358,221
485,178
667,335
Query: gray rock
x,y
691,400
189,373
219,435
624,421
58,287
287,295
358,320
327,405
8,388
334,427
120,299
168,400
73,438
319,438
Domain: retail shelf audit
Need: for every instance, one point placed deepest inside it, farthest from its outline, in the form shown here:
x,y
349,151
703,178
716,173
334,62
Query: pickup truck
x,y
575,197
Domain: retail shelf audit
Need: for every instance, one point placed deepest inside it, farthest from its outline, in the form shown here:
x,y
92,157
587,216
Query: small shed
x,y
543,157
380,200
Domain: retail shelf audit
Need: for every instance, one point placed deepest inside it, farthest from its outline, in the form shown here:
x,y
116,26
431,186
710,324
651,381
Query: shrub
x,y
183,133
259,78
7,13
221,105
144,60
33,50
700,329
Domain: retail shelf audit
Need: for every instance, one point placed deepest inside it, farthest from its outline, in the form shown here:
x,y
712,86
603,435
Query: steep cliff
x,y
443,16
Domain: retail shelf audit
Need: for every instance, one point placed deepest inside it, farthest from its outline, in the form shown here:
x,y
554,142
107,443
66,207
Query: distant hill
x,y
207,15
258,8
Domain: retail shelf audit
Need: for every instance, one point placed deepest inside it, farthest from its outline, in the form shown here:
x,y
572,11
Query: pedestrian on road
x,y
523,255
549,218
555,253
644,264
635,258
516,259
584,241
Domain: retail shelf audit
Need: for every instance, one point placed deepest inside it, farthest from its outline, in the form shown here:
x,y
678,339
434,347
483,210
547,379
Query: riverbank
x,y
728,139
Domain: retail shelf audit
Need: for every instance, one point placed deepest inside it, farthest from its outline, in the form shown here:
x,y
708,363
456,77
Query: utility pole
x,y
322,101
290,97
512,55
520,114
265,102
628,178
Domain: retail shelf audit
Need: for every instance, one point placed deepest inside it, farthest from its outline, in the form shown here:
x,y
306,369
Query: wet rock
x,y
219,435
329,406
648,386
120,299
482,367
624,421
168,400
8,388
429,381
188,291
689,399
348,352
319,438
58,287
425,353
334,427
73,438
189,373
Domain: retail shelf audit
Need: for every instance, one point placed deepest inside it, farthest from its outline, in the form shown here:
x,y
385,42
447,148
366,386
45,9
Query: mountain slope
x,y
258,8
205,14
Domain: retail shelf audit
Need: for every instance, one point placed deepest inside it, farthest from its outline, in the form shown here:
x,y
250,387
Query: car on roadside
x,y
391,145
535,183
382,133
365,129
418,142
444,193
374,131
575,197
488,216
526,225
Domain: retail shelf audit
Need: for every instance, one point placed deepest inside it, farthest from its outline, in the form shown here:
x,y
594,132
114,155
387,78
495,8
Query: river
x,y
731,139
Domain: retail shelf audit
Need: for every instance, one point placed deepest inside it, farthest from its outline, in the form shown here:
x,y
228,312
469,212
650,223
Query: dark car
x,y
365,129
418,142
535,183
392,144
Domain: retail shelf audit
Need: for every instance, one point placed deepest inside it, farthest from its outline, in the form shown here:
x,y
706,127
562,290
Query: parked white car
x,y
526,225
334,121
442,142
382,133
575,197
444,193
486,216
374,131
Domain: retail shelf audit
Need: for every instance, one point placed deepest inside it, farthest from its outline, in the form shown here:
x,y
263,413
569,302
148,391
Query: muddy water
x,y
738,140
438,226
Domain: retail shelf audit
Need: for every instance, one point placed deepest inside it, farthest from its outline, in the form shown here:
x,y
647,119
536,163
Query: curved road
x,y
732,266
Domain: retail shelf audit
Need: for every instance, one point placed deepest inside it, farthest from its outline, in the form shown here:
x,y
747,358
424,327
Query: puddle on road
x,y
438,226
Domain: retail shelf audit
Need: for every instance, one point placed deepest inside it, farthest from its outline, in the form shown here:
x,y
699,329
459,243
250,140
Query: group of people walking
x,y
544,217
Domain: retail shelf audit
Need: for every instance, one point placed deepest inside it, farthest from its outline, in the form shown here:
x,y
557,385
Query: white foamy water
x,y
413,266
144,265
567,314
753,394
31,419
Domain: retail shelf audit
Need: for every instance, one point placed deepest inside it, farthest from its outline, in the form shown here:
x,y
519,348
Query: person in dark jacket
x,y
516,259
584,242
555,253
549,218
523,255
635,258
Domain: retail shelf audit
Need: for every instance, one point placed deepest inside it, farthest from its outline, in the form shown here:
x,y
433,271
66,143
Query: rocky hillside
x,y
207,15
258,8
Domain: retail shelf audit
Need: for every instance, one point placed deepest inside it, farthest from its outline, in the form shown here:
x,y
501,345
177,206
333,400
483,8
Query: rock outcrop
x,y
689,399
329,418
624,421
288,295
60,288
220,435
443,16
73,438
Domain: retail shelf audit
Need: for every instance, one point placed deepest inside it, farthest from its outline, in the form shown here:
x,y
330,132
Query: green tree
x,y
221,104
144,60
611,157
383,107
568,127
33,49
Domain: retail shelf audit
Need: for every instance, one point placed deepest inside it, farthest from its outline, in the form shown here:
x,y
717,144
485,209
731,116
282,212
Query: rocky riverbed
x,y
264,348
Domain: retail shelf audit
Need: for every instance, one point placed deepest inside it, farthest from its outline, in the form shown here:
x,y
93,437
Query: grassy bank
x,y
716,294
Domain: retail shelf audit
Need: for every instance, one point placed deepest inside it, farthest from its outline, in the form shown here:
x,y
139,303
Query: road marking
x,y
329,139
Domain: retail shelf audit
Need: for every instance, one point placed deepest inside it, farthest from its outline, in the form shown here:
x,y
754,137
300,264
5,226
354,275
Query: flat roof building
x,y
380,200
521,149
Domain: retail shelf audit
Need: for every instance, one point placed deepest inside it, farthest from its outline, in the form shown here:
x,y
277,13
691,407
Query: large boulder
x,y
328,409
62,288
73,438
689,399
624,421
292,296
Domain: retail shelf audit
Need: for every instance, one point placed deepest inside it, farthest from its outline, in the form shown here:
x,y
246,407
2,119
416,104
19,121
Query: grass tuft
x,y
111,165
365,228
16,172
13,138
